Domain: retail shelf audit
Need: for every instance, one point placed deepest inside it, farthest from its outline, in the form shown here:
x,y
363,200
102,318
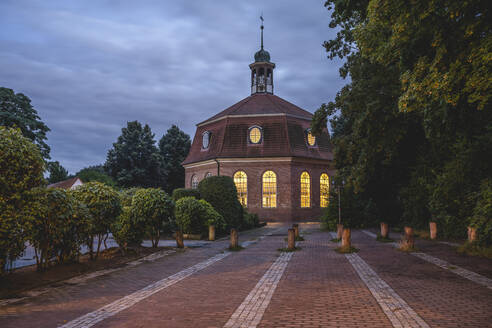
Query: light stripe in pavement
x,y
251,310
396,309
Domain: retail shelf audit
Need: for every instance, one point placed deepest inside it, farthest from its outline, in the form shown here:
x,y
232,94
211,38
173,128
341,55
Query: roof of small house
x,y
65,184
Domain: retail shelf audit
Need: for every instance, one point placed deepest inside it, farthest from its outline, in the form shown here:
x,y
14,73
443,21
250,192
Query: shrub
x,y
184,192
221,193
155,208
251,220
104,205
194,216
482,214
126,196
52,229
128,230
21,167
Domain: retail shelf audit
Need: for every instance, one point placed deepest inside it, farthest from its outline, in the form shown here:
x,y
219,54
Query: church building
x,y
281,171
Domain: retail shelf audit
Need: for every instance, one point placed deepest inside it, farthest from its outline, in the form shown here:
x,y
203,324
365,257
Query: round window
x,y
255,135
311,139
205,140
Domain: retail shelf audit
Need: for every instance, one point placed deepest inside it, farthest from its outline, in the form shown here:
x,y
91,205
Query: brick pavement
x,y
440,297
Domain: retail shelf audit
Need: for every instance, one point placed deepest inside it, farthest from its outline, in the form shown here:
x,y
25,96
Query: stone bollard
x,y
234,239
211,232
179,239
408,239
384,230
295,226
339,231
346,243
291,239
433,230
472,234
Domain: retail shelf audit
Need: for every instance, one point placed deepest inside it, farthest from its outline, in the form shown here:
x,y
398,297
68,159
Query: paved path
x,y
262,287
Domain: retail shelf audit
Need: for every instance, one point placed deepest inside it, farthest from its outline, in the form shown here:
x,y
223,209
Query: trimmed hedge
x,y
194,216
221,193
184,192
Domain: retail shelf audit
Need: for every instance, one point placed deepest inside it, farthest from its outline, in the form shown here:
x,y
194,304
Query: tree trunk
x,y
99,242
339,231
105,238
291,239
91,248
346,242
179,239
234,239
433,230
384,230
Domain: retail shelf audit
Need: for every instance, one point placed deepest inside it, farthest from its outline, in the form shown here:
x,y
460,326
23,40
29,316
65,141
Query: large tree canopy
x,y
57,172
16,111
134,160
412,131
174,147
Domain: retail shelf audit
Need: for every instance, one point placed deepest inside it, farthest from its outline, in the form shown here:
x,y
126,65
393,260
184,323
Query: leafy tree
x,y
156,209
128,230
57,172
104,206
134,160
194,216
21,167
95,173
174,147
126,196
16,111
184,192
221,193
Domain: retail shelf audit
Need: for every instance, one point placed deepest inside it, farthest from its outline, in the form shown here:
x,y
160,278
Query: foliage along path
x,y
313,287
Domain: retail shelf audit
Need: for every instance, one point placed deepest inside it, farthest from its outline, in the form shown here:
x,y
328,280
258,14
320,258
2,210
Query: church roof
x,y
261,104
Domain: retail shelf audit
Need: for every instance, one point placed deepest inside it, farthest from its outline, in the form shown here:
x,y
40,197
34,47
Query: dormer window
x,y
255,135
205,139
311,140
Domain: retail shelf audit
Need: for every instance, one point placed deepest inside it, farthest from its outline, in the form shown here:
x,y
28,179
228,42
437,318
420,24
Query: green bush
x,y
184,192
128,230
104,205
156,209
221,193
126,196
482,214
21,169
194,216
251,220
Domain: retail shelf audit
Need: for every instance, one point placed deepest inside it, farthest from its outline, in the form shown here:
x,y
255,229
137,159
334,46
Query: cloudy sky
x,y
91,66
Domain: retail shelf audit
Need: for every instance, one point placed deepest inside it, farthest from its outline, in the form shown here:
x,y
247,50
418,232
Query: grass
x,y
384,239
473,249
336,240
236,249
346,250
285,249
300,238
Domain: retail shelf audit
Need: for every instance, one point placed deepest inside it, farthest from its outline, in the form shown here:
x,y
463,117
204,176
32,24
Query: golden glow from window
x,y
305,190
311,139
269,189
241,182
255,135
194,181
324,190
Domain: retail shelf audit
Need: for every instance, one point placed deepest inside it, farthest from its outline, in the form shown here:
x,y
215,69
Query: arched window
x,y
305,190
269,181
194,181
241,182
311,140
324,190
208,175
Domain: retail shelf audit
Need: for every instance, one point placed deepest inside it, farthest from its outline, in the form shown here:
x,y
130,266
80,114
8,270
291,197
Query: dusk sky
x,y
91,66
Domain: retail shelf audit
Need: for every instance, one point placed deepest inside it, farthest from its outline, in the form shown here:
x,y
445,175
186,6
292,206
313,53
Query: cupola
x,y
262,70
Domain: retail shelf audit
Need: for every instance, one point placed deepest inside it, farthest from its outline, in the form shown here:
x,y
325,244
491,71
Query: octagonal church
x,y
281,171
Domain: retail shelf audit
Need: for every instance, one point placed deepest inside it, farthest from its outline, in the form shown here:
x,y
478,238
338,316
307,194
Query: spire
x,y
262,27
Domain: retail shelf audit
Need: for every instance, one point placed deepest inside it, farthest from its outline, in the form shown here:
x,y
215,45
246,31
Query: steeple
x,y
262,69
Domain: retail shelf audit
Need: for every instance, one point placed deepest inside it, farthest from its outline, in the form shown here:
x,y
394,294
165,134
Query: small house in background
x,y
68,184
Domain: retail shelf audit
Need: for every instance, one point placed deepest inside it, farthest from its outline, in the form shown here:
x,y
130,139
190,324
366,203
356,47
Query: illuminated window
x,y
241,182
269,189
205,140
255,135
310,138
305,190
194,181
324,189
